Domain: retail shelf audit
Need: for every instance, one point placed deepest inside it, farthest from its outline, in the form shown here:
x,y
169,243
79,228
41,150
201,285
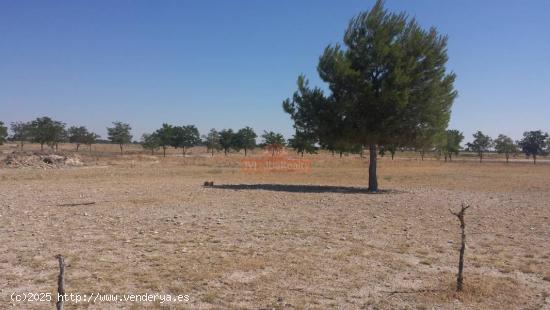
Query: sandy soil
x,y
283,241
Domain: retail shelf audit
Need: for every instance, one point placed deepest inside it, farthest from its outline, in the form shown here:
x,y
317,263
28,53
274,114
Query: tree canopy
x,y
386,85
302,142
80,135
185,137
212,141
245,139
534,143
481,144
274,142
226,141
150,142
44,130
505,145
21,132
165,136
449,143
119,134
3,133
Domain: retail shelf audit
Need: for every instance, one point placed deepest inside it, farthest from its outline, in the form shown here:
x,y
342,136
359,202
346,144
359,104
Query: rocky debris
x,y
41,160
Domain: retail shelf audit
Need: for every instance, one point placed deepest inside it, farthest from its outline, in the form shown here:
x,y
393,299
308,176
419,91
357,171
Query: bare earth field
x,y
277,241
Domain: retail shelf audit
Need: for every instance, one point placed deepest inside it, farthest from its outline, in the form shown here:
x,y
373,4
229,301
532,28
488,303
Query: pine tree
x,y
388,83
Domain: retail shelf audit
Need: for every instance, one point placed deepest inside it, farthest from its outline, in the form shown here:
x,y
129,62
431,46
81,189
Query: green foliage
x,y
80,135
212,141
3,133
150,142
185,137
505,145
245,139
45,130
21,132
534,143
226,139
481,144
449,143
274,142
165,136
386,85
302,142
427,139
391,148
119,134
90,139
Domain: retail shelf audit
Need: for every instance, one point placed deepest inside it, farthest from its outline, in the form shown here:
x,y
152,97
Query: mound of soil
x,y
41,160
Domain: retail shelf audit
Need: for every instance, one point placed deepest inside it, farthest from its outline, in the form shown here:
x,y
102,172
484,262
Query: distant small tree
x,y
390,148
301,142
3,133
427,139
449,143
226,140
119,134
185,137
165,136
78,135
90,139
245,139
534,143
274,142
150,142
505,145
481,144
21,132
45,130
212,141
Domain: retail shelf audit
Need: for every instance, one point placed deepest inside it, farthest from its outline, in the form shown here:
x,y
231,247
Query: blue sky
x,y
231,63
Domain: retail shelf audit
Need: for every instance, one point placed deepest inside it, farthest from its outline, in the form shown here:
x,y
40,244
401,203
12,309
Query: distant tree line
x,y
46,131
225,140
442,143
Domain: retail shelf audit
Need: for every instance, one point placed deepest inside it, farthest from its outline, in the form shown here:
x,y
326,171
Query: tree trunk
x,y
77,146
212,151
480,157
445,157
422,155
225,151
245,151
373,181
302,153
120,149
507,157
183,151
534,159
392,154
164,151
450,157
340,154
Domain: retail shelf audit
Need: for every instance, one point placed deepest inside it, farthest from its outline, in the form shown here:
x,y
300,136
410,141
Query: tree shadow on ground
x,y
299,188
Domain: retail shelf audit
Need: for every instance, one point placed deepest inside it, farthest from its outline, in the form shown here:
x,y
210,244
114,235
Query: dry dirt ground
x,y
278,241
